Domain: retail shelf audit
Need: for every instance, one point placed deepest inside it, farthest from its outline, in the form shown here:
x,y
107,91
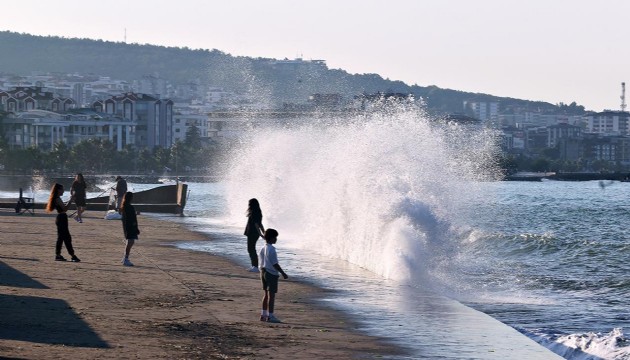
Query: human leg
x,y
130,243
64,233
63,237
272,300
58,256
265,301
251,250
272,282
264,313
80,210
119,199
125,260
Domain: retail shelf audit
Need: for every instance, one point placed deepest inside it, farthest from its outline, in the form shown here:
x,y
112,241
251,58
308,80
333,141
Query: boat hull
x,y
166,199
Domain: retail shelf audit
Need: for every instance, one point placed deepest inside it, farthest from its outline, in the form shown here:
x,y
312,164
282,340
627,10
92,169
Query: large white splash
x,y
382,191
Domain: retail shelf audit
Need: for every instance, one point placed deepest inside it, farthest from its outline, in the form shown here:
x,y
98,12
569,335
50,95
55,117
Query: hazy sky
x,y
550,50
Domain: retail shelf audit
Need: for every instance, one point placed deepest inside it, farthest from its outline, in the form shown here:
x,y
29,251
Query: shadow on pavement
x,y
11,277
44,320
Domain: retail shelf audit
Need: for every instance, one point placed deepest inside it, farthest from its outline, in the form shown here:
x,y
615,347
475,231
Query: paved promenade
x,y
173,304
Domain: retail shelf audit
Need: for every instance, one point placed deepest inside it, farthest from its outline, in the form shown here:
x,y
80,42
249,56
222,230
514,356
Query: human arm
x,y
61,205
277,267
259,225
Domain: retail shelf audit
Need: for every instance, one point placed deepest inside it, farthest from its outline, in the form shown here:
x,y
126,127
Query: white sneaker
x,y
253,269
126,262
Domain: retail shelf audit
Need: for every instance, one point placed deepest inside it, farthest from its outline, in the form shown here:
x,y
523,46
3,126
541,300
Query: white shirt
x,y
267,258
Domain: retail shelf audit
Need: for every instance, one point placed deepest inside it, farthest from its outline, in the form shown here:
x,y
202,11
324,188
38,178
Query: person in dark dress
x,y
63,233
130,225
253,230
78,194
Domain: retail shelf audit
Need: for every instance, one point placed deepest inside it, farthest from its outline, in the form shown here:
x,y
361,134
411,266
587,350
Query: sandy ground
x,y
173,304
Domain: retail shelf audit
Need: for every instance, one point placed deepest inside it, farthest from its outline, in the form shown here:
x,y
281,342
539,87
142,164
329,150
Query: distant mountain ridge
x,y
23,53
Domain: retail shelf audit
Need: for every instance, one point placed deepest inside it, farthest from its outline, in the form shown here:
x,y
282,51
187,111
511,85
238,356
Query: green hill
x,y
22,53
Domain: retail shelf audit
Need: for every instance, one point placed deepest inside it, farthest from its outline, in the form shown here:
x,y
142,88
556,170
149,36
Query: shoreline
x,y
472,333
174,303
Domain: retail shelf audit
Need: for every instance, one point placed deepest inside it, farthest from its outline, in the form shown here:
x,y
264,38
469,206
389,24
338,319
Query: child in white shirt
x,y
269,274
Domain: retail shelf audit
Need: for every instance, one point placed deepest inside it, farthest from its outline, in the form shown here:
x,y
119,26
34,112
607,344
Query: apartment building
x,y
608,123
484,111
183,122
153,116
25,98
43,129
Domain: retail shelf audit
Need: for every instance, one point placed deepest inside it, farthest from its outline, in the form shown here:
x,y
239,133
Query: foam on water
x,y
392,193
379,191
588,346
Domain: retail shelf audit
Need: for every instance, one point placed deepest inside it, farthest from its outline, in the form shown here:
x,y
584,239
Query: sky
x,y
543,50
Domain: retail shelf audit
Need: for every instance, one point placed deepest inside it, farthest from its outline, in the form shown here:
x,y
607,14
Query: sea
x,y
403,218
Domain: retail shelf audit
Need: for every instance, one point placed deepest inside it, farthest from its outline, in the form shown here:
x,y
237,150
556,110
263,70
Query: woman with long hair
x,y
78,193
63,233
130,225
253,230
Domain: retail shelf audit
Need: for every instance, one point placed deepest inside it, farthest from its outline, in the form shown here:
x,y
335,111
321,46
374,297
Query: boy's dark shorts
x,y
269,281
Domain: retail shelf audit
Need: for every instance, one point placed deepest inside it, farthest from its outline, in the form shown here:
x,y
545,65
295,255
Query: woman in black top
x,y
130,225
78,193
63,233
253,230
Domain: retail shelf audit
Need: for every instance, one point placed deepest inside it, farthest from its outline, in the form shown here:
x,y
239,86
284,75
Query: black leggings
x,y
63,234
251,249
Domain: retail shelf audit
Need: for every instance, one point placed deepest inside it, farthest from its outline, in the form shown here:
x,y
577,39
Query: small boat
x,y
166,199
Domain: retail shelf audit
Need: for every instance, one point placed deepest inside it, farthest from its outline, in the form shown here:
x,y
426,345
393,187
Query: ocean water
x,y
391,207
396,214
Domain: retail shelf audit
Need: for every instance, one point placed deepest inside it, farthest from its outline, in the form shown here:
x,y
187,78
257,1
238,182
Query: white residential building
x,y
608,122
183,122
43,129
484,111
534,119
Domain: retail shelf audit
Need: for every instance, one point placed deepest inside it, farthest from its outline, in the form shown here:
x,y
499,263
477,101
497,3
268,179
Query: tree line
x,y
99,156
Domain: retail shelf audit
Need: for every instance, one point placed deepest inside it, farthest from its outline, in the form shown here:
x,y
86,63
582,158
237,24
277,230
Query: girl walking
x,y
130,225
78,194
63,233
253,230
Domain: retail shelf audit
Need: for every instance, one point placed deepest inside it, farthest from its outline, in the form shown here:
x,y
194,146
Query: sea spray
x,y
380,190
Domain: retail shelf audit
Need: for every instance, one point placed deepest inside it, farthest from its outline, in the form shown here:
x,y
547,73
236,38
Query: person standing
x,y
121,189
130,225
63,233
270,271
78,193
253,230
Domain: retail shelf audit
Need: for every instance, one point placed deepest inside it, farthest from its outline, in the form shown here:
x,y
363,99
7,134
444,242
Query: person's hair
x,y
79,178
270,234
253,208
127,199
50,206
